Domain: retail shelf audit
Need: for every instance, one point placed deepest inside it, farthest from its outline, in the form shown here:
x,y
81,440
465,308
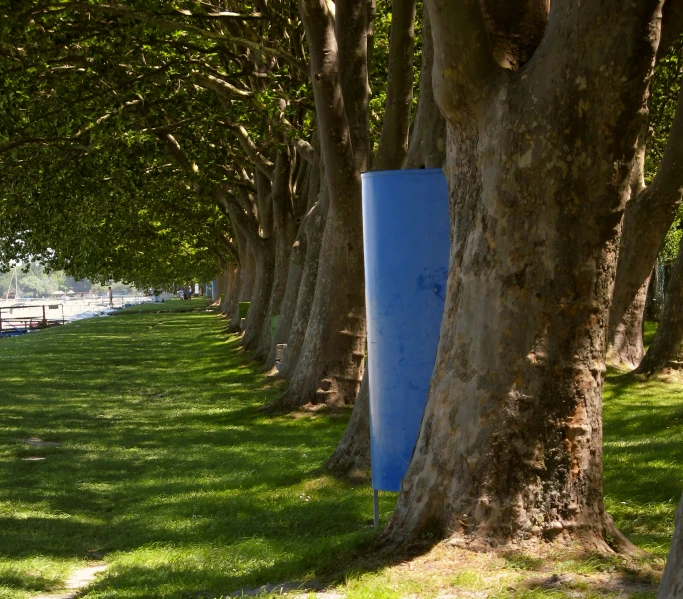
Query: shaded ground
x,y
164,470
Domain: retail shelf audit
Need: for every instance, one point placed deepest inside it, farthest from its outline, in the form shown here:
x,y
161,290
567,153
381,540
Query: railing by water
x,y
25,315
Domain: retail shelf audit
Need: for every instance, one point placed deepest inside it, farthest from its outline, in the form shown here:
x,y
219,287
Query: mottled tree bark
x,y
231,299
647,220
671,586
230,278
284,233
244,282
259,302
294,292
393,142
538,165
311,230
256,265
666,351
427,147
329,368
625,337
221,287
351,458
626,342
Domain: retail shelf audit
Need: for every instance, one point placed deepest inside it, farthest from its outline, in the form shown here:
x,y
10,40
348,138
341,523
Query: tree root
x,y
619,542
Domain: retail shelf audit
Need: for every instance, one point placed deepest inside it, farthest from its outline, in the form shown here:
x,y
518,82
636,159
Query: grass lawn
x,y
165,471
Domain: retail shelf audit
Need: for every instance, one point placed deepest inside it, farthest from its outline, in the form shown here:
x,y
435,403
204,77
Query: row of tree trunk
x,y
554,237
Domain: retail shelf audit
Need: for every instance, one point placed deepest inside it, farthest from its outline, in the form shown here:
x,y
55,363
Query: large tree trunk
x,y
297,265
510,444
666,351
352,454
393,142
284,233
647,220
427,147
259,303
329,369
231,301
230,276
225,284
221,285
671,586
244,287
351,458
289,301
312,228
626,341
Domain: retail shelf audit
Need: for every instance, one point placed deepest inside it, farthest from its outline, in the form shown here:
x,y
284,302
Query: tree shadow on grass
x,y
165,466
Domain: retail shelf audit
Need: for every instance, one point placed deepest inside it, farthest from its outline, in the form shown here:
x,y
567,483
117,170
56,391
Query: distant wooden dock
x,y
26,315
20,319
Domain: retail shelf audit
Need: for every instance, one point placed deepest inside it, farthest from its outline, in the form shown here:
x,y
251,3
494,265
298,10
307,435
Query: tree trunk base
x,y
650,368
626,340
672,580
351,458
287,402
619,543
613,542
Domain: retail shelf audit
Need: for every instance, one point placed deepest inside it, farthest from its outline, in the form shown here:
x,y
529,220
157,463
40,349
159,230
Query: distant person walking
x,y
111,297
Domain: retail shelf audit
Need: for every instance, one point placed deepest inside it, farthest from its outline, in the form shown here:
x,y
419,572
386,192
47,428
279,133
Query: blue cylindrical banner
x,y
407,244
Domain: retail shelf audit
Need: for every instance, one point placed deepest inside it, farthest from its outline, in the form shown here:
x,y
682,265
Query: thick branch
x,y
393,143
427,147
262,163
351,31
224,89
305,150
229,246
515,29
463,62
35,140
648,218
669,177
224,14
171,25
240,220
177,152
672,25
333,126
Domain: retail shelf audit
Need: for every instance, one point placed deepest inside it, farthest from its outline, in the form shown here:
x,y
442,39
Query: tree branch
x,y
171,25
463,62
333,126
224,89
647,219
393,142
672,25
248,145
41,141
305,150
669,177
239,218
221,15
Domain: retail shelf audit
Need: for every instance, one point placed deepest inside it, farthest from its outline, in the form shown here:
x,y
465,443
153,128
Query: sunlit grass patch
x,y
164,467
24,577
643,456
466,579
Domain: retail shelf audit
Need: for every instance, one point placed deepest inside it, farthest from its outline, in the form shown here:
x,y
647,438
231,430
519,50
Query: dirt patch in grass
x,y
446,572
